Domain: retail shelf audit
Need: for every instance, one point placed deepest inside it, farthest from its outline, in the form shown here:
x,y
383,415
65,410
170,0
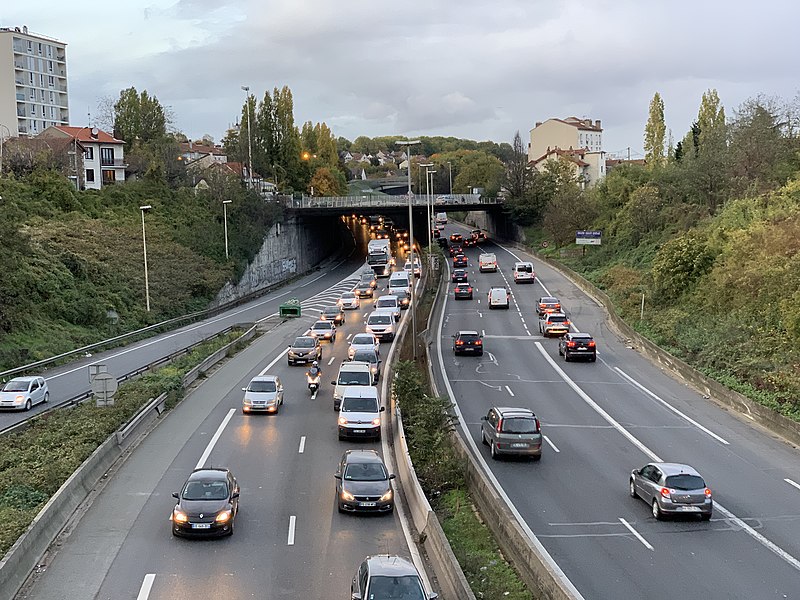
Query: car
x,y
387,576
523,272
573,344
369,277
462,291
456,238
334,314
441,218
380,233
478,235
401,234
389,303
364,289
349,301
468,342
470,242
417,267
207,504
360,413
498,297
404,297
443,243
372,358
363,483
459,275
460,260
381,324
672,489
350,373
440,226
363,341
399,281
548,304
23,393
457,249
436,233
553,324
325,330
487,262
263,394
304,349
512,431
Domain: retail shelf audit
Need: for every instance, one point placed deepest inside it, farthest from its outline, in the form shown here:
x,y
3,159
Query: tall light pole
x,y
246,89
144,246
429,210
408,145
2,141
225,217
450,166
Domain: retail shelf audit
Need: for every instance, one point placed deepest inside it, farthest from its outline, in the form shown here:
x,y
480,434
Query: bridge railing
x,y
366,201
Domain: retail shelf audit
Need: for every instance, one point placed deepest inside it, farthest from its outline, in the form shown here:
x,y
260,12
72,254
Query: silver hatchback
x,y
23,392
672,489
512,431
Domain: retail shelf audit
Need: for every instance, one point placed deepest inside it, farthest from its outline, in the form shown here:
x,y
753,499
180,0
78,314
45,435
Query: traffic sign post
x,y
104,385
588,238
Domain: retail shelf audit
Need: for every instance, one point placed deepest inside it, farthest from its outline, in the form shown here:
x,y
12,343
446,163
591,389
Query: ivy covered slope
x,y
72,261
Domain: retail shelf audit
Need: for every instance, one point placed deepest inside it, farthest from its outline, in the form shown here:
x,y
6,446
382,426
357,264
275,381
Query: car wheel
x,y
28,404
291,363
705,517
632,488
536,457
339,507
493,451
46,397
657,514
230,531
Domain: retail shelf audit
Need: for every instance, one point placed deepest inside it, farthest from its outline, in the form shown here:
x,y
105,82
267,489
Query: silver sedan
x,y
672,489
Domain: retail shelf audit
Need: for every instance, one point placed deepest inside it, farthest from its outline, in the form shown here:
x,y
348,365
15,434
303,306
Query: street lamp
x,y
246,89
428,207
408,145
144,246
225,217
2,140
450,167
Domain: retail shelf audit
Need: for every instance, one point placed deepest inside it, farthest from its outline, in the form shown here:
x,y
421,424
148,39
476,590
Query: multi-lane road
x,y
603,419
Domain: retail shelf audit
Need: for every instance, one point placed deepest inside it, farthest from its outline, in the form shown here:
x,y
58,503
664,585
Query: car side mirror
x,y
483,418
234,495
392,476
244,389
333,383
337,476
383,408
175,495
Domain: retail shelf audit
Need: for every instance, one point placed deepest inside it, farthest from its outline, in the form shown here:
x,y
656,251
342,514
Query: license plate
x,y
519,445
581,347
201,525
359,430
367,504
689,508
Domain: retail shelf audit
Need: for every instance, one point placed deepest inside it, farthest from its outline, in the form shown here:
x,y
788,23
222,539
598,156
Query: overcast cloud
x,y
467,68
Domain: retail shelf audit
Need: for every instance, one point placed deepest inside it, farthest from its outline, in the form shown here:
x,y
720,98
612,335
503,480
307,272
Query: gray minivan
x,y
513,431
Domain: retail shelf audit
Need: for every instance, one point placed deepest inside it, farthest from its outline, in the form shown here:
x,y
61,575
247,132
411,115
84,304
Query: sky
x,y
468,68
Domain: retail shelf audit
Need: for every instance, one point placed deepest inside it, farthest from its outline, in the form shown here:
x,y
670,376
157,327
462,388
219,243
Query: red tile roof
x,y
84,134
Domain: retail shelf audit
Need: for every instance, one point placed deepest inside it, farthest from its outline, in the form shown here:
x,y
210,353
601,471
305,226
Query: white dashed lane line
x,y
292,523
508,389
636,533
147,585
552,445
302,444
793,483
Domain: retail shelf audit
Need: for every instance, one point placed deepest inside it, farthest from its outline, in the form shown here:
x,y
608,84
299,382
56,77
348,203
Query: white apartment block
x,y
571,133
102,161
33,82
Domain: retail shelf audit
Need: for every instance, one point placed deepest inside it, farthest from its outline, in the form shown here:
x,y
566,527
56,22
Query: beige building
x,y
588,167
571,133
33,82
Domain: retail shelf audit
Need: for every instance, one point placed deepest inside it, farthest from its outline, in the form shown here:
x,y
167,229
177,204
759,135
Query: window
x,y
109,176
33,94
106,156
49,51
51,81
49,66
30,78
40,48
33,110
89,175
52,98
89,153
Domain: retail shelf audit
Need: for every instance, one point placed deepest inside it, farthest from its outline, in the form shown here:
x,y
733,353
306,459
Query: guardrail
x,y
369,201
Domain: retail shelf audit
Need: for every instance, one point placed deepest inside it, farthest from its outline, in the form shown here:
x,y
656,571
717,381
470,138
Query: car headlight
x,y
342,421
292,353
247,402
347,495
376,421
19,399
178,516
224,516
386,496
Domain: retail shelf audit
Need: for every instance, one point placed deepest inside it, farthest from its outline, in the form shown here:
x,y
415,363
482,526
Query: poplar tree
x,y
654,133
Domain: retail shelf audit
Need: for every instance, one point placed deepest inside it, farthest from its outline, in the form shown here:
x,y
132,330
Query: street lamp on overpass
x,y
408,145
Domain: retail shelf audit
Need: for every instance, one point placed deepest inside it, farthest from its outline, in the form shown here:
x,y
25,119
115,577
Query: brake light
x,y
499,425
469,289
591,344
571,344
708,493
459,342
665,492
478,342
538,426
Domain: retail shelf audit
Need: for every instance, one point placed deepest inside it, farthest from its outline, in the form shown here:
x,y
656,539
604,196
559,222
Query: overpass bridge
x,y
388,205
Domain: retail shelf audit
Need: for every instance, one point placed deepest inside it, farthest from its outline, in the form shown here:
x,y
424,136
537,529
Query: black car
x,y
363,483
207,504
572,345
456,238
459,275
460,260
332,313
470,242
468,342
455,250
436,233
364,290
403,297
443,243
462,291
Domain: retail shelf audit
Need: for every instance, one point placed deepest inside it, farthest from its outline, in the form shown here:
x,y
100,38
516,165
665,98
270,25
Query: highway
x,y
603,419
289,540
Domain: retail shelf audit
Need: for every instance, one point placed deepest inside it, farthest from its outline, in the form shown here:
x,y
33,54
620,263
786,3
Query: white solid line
x,y
313,280
302,444
508,389
793,483
483,332
636,533
201,463
292,521
274,360
552,445
669,406
771,546
333,358
147,585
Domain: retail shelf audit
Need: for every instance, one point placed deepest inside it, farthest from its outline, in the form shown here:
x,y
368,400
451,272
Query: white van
x,y
390,304
487,262
399,281
498,297
523,272
360,413
350,373
441,218
381,324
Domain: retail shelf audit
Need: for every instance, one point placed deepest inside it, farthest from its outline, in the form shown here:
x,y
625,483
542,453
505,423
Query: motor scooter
x,y
313,383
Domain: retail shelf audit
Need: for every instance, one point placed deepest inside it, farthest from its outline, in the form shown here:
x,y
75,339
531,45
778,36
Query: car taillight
x,y
665,492
590,344
571,344
500,426
707,493
459,342
538,426
469,289
478,342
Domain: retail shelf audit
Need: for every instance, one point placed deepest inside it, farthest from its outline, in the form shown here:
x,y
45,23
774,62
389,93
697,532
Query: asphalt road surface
x,y
603,419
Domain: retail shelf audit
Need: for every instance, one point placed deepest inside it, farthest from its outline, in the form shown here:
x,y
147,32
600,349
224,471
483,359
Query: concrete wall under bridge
x,y
498,224
291,247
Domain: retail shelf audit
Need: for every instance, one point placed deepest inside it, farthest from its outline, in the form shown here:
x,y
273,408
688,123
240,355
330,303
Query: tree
x,y
139,117
328,182
567,210
654,133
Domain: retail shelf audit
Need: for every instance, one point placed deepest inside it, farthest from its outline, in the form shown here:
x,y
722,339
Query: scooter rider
x,y
314,371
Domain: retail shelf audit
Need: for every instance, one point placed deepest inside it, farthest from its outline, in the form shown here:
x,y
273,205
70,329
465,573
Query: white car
x,y
324,330
263,394
360,413
363,341
417,267
389,303
349,301
499,297
23,392
523,272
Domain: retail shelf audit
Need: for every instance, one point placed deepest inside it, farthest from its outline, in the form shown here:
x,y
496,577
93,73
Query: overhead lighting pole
x,y
450,167
408,145
144,247
428,207
246,89
225,218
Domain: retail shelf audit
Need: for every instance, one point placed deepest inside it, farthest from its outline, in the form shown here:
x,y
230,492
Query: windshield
x,y
685,482
354,378
16,385
525,268
365,472
367,278
380,320
262,386
377,258
348,296
469,337
360,405
322,325
400,588
519,425
363,340
206,490
366,356
383,303
304,342
331,310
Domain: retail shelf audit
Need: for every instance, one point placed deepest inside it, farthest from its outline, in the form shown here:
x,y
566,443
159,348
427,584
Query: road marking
x,y
333,358
552,445
669,406
147,585
274,360
349,335
508,389
480,314
483,332
202,462
292,521
313,280
793,483
302,444
771,546
636,533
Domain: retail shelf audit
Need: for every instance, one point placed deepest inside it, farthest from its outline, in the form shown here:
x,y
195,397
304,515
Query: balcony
x,y
113,162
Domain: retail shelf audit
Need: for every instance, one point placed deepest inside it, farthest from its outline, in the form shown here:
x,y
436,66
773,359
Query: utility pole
x,y
408,145
246,88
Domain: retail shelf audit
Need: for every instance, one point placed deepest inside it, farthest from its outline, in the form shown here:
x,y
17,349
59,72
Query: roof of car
x,y
545,299
510,411
579,334
325,324
264,378
362,456
385,564
676,469
467,332
27,378
360,391
388,296
551,315
353,365
208,473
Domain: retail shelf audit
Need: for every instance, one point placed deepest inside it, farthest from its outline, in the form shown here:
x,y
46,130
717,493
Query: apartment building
x,y
588,167
102,160
33,82
571,133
